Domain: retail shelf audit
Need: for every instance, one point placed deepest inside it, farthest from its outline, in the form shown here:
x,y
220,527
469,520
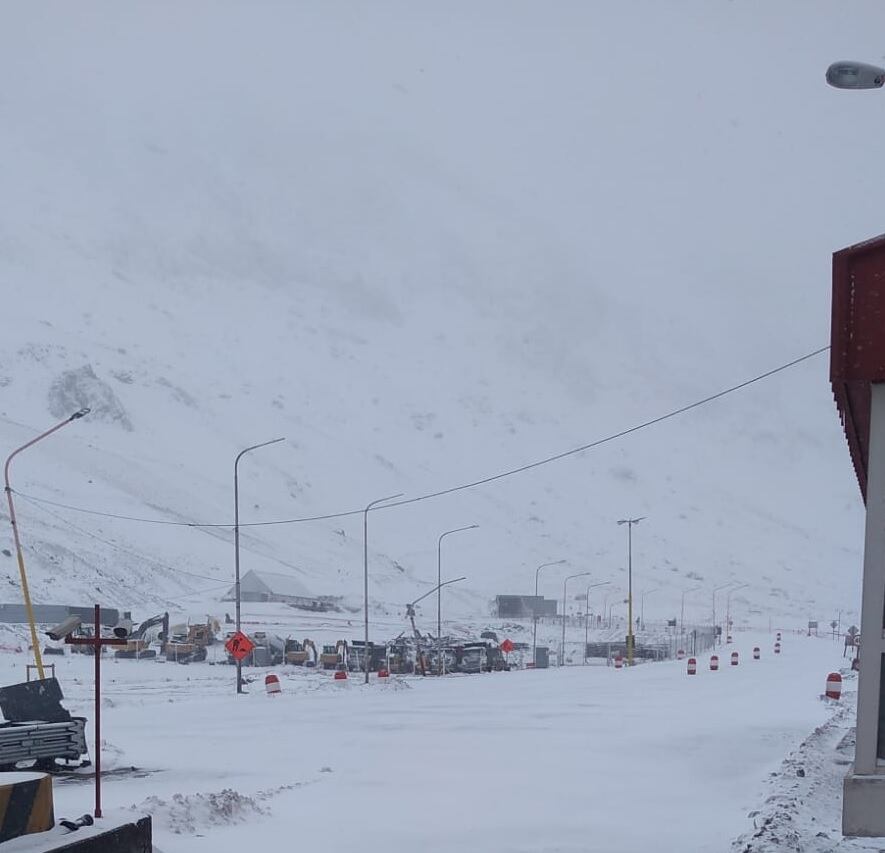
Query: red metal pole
x,y
97,648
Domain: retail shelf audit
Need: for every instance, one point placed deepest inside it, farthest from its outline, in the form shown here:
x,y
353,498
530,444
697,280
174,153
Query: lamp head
x,y
855,75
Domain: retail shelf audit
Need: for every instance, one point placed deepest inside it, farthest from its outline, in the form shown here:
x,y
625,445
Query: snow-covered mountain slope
x,y
426,244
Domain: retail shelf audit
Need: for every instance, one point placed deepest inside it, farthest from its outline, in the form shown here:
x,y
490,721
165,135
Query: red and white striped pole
x,y
756,653
692,666
714,663
734,658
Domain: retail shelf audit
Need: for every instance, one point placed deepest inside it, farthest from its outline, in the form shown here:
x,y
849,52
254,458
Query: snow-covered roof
x,y
273,583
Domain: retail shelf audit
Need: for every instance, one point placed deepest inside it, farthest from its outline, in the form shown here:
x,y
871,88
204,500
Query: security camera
x,y
64,629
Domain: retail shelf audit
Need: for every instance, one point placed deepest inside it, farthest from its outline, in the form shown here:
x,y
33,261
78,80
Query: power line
x,y
464,486
120,548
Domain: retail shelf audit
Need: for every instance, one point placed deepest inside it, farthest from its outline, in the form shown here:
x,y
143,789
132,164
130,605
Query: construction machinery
x,y
335,657
356,661
482,656
269,650
295,653
141,638
302,653
420,660
401,656
39,732
189,643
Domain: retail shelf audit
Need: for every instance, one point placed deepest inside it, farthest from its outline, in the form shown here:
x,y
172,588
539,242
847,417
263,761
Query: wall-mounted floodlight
x,y
855,75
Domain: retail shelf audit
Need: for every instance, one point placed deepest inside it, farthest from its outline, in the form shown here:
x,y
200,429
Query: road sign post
x,y
98,643
507,647
240,647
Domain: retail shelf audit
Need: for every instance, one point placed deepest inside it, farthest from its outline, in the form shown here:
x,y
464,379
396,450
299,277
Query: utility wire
x,y
120,548
464,486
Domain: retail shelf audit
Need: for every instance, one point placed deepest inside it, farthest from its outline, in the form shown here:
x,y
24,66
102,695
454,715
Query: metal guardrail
x,y
30,741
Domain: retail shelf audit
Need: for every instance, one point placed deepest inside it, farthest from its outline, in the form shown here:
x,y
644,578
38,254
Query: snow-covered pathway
x,y
580,759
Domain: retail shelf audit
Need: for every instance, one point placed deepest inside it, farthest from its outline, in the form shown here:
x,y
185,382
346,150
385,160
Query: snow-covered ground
x,y
425,247
576,759
429,244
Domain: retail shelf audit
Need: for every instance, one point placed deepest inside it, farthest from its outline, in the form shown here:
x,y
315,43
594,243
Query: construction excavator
x,y
299,653
139,641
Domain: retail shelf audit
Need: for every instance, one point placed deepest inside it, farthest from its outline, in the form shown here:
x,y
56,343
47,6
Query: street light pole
x,y
642,605
564,585
682,609
715,590
630,639
587,615
728,610
535,608
240,455
366,572
38,658
411,605
439,586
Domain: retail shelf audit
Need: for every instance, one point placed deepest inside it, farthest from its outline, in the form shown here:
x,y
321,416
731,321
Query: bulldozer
x,y
190,644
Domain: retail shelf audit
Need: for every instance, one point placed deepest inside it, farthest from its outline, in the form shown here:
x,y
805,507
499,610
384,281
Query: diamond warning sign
x,y
239,646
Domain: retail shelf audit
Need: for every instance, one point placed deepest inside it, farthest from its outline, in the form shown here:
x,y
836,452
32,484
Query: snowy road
x,y
581,759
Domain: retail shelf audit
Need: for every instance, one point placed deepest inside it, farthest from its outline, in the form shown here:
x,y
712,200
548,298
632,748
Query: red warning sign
x,y
239,646
507,647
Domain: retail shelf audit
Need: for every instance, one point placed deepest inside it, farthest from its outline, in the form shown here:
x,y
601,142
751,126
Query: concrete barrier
x,y
25,804
104,837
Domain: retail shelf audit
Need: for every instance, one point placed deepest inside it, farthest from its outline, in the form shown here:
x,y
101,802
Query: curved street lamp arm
x,y
439,586
38,659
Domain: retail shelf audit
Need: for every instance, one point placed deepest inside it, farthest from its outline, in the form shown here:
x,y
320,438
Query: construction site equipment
x,y
356,661
401,656
40,744
38,731
335,657
483,656
190,645
295,653
141,638
269,650
442,659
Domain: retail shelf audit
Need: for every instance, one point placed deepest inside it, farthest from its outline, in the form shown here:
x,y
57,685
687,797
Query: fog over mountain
x,y
427,244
